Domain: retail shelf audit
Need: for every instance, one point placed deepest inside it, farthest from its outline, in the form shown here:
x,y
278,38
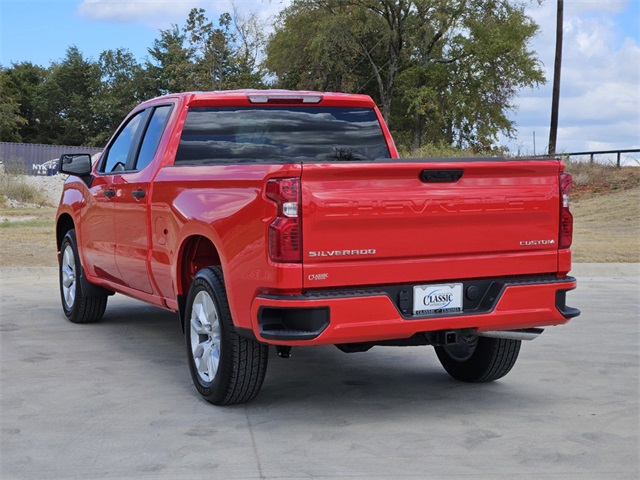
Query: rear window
x,y
280,134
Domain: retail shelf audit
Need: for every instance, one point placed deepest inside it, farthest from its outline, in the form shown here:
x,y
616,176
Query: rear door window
x,y
280,134
152,136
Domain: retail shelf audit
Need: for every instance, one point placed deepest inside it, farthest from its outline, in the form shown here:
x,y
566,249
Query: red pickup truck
x,y
286,218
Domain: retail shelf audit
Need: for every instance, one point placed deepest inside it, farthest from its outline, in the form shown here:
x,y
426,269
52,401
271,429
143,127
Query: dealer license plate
x,y
433,299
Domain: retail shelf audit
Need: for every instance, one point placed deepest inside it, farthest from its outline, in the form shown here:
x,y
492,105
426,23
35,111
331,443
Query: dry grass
x,y
594,179
14,188
605,202
607,227
27,237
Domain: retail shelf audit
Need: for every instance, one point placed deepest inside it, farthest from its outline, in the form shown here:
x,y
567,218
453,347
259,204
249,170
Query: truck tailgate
x,y
421,220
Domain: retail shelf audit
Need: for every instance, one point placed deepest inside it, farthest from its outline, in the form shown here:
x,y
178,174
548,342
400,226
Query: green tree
x,y
201,56
66,99
443,71
123,85
459,86
349,33
10,119
171,67
225,56
250,41
212,50
315,51
22,81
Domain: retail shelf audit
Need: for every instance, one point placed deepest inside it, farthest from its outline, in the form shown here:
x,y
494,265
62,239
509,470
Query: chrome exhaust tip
x,y
524,334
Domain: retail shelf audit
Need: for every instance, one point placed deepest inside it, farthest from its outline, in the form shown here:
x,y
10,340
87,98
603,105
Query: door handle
x,y
138,194
441,176
110,193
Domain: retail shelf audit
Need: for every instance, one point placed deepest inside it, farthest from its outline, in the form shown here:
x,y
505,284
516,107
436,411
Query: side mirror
x,y
75,164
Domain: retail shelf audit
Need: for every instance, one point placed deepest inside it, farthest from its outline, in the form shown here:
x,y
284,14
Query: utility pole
x,y
553,131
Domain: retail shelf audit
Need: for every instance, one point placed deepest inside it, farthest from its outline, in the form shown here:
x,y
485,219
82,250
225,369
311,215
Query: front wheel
x,y
479,359
78,307
226,368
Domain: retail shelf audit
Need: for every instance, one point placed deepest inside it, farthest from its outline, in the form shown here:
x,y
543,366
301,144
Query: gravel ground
x,y
50,187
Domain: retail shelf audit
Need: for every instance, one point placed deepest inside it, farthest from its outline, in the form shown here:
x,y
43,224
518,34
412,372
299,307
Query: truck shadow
x,y
383,381
389,380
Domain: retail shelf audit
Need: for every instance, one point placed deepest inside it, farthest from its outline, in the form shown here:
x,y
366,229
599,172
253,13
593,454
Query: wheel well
x,y
65,223
198,252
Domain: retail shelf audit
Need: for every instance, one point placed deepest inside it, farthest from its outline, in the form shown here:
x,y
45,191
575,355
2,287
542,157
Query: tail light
x,y
285,231
566,219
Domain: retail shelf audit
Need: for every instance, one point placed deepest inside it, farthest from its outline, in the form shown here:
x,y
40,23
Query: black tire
x,y
78,307
226,368
479,359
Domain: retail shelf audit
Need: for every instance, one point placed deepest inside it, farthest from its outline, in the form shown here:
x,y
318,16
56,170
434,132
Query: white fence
x,y
608,155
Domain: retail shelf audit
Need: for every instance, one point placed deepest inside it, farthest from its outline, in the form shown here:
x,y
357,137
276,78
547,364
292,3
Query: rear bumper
x,y
370,315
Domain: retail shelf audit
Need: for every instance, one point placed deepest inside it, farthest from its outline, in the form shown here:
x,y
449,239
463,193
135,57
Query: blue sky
x,y
600,92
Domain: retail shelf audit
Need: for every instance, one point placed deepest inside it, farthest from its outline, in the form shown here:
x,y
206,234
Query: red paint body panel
x,y
96,231
475,225
375,318
132,230
225,204
412,232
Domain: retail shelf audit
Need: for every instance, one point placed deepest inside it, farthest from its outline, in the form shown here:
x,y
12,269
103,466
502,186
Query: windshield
x,y
281,134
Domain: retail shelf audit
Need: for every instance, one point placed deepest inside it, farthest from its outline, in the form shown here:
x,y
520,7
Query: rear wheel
x,y
78,307
479,359
226,368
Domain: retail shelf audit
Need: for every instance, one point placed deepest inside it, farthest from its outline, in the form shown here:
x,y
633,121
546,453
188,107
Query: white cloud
x,y
600,84
165,12
590,37
147,11
600,6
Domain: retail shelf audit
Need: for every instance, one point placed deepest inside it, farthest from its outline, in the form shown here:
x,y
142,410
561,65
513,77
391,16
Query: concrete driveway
x,y
115,400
